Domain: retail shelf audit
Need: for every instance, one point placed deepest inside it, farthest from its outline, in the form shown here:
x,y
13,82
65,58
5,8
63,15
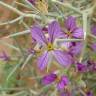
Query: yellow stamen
x,y
50,47
69,33
58,79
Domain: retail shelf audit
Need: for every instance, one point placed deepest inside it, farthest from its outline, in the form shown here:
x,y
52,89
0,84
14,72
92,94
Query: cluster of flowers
x,y
67,52
66,55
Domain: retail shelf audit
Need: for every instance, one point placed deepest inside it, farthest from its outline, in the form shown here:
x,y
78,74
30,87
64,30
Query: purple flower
x,y
93,29
64,81
72,31
48,79
76,48
61,82
4,56
65,94
94,67
45,29
91,64
93,46
32,1
89,93
54,32
81,67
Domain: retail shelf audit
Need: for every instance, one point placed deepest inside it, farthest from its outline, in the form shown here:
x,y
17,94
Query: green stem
x,y
68,5
9,45
85,36
91,35
12,21
26,61
18,34
19,12
14,69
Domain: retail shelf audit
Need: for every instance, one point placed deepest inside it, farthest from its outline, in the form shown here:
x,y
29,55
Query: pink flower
x,y
93,29
61,82
71,29
54,32
32,1
4,56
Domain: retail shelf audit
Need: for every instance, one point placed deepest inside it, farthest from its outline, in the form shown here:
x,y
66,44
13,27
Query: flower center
x,y
50,47
69,34
58,79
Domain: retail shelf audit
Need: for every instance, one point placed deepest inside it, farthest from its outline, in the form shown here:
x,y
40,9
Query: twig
x,y
12,21
14,70
84,16
26,61
82,92
68,5
9,45
21,4
68,40
11,8
33,92
19,12
90,10
18,34
93,36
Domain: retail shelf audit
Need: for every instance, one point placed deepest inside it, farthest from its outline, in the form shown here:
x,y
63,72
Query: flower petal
x,y
65,93
76,48
54,31
48,79
65,79
81,67
66,45
63,58
78,33
63,82
4,56
89,93
60,85
32,1
70,23
93,46
93,29
38,35
43,60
